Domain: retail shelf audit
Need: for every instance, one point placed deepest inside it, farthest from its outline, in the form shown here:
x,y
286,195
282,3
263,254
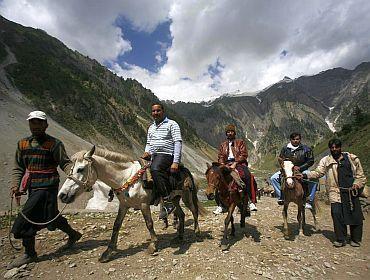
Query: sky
x,y
197,50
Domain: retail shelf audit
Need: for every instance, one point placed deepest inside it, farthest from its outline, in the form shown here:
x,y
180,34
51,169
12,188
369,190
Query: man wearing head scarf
x,y
233,153
35,171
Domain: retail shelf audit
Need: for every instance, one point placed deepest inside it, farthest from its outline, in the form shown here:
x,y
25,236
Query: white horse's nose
x,y
290,182
62,197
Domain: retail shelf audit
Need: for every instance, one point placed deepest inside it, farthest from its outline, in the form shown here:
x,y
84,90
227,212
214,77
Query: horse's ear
x,y
280,160
208,166
90,153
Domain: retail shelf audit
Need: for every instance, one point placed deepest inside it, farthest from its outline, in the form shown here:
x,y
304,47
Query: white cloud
x,y
246,37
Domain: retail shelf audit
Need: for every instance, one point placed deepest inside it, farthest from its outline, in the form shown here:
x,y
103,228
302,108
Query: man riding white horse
x,y
302,158
163,148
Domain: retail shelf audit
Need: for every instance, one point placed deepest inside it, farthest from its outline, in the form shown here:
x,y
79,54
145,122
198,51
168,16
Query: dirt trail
x,y
257,252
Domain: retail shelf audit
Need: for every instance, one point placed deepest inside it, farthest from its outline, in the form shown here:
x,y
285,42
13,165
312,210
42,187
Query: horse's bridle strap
x,y
84,184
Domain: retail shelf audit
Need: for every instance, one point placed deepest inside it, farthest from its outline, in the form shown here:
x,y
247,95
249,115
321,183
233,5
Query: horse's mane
x,y
109,155
218,167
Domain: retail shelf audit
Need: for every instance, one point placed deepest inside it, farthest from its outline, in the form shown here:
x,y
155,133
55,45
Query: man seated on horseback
x,y
233,153
163,148
302,158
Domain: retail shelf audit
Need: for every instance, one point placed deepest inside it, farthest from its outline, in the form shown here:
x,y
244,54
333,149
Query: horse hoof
x,y
224,247
151,249
286,237
104,259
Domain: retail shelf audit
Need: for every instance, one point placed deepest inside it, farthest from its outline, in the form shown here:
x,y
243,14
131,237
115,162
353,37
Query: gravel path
x,y
257,252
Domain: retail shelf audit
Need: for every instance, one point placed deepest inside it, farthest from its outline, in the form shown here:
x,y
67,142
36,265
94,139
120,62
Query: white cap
x,y
37,115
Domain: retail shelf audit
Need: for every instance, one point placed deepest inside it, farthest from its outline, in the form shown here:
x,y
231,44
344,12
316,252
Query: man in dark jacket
x,y
233,153
302,158
35,171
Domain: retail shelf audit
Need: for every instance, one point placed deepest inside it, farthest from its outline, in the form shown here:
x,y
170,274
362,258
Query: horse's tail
x,y
194,191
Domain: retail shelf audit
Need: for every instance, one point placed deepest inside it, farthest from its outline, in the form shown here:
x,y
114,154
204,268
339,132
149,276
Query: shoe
x,y
252,207
218,210
280,202
25,259
73,238
165,211
355,244
339,244
308,206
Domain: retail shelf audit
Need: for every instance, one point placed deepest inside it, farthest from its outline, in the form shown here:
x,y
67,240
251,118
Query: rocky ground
x,y
257,252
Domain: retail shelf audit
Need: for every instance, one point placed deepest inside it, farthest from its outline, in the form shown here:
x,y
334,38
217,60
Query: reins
x,y
28,220
351,192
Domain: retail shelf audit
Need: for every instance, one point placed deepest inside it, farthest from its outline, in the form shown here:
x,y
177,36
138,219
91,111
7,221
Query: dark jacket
x,y
238,148
302,156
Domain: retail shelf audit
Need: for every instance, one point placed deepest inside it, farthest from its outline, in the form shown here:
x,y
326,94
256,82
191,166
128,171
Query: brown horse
x,y
293,191
220,180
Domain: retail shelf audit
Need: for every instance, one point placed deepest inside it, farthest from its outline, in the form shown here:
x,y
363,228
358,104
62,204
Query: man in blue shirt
x,y
163,147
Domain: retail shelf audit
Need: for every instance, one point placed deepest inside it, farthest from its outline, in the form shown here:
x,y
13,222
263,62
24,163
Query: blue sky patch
x,y
148,49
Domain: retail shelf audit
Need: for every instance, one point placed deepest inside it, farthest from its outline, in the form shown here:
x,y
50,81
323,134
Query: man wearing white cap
x,y
35,170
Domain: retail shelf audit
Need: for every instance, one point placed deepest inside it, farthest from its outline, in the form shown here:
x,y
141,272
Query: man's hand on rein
x,y
296,168
174,167
146,156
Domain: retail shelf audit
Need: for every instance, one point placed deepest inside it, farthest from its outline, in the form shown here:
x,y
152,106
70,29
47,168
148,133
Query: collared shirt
x,y
162,137
231,155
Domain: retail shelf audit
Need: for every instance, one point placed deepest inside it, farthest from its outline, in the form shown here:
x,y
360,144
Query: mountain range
x,y
88,104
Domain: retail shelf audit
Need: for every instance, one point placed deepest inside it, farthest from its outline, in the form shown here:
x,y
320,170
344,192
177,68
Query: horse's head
x,y
81,177
214,175
287,172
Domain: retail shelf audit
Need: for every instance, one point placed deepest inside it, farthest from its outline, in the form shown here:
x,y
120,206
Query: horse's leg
x,y
300,218
313,211
145,210
193,207
181,215
224,245
232,226
105,257
242,214
285,217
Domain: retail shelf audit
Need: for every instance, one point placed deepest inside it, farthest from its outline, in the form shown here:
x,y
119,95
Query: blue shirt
x,y
162,138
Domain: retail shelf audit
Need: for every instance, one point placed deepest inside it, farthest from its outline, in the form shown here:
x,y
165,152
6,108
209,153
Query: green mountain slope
x,y
80,94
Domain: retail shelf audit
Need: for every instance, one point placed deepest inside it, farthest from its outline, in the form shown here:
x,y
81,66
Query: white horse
x,y
115,170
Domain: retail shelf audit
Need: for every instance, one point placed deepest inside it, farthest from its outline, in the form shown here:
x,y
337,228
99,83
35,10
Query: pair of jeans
x,y
275,181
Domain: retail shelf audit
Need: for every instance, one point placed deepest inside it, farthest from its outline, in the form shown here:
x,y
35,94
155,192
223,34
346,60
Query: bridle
x,y
85,184
212,185
285,177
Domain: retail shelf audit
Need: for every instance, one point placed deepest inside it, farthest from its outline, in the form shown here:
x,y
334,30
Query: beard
x,y
336,154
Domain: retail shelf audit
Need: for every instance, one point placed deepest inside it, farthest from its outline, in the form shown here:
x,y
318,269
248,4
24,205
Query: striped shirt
x,y
162,137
